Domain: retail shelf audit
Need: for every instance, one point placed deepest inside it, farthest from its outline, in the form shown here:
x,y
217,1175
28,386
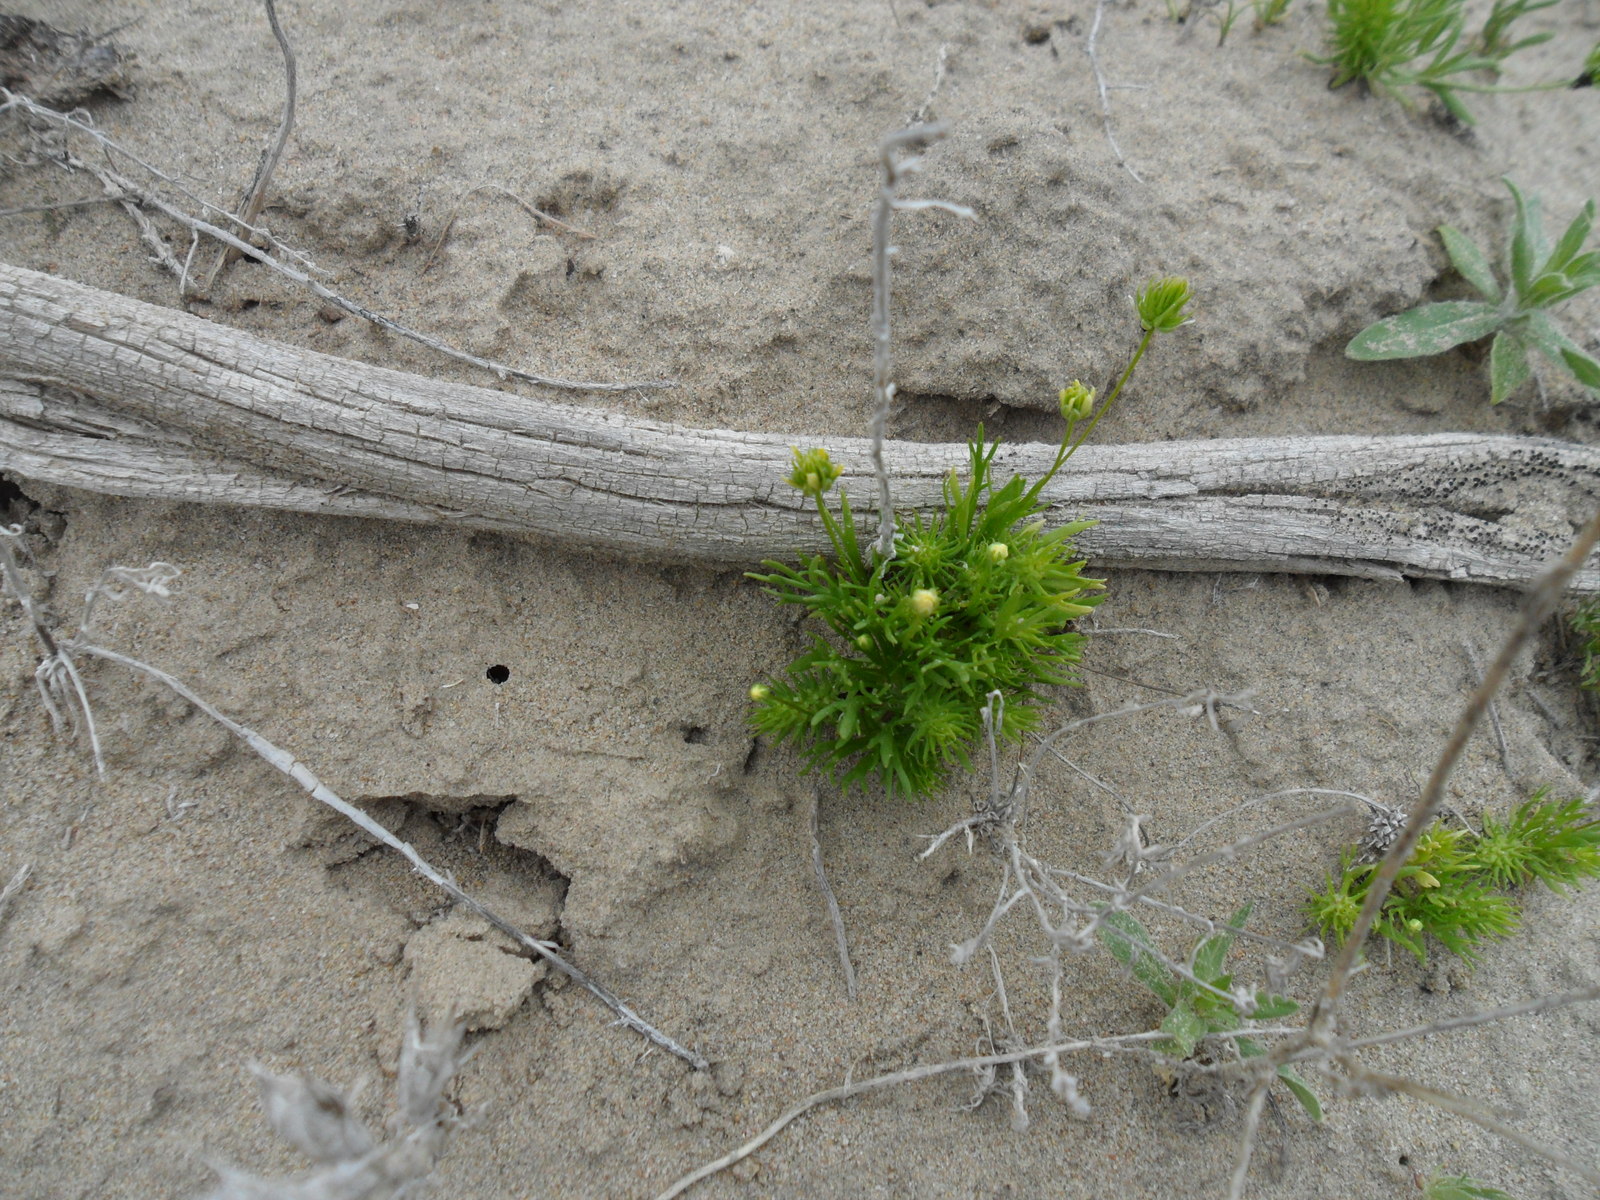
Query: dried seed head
x,y
1382,829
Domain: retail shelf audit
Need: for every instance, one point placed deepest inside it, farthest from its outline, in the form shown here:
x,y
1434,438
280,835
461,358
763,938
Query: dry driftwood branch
x,y
102,392
255,196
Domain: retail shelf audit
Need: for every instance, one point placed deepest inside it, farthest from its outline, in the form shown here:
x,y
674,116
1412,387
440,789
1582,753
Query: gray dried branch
x,y
319,1120
835,917
153,580
14,885
1091,51
537,214
255,196
301,774
894,170
895,1079
103,392
148,198
1540,602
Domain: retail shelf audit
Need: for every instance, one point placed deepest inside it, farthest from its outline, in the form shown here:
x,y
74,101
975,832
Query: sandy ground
x,y
192,911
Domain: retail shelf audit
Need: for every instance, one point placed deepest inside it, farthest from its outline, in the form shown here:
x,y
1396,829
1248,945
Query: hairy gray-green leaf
x,y
1508,366
1470,262
1431,329
1129,944
1185,1029
1572,240
1302,1091
1584,368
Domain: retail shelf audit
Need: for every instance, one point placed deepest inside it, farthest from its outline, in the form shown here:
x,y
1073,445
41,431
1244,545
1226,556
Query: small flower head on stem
x,y
1077,401
814,472
1160,304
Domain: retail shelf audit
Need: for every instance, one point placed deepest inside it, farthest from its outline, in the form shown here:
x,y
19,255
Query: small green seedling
x,y
1226,13
1451,888
1204,1004
1460,1187
978,598
1541,277
1394,46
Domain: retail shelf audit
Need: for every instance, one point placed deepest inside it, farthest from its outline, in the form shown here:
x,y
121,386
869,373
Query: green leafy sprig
x,y
1398,45
1586,624
1460,1187
1451,888
977,598
1203,1005
1540,276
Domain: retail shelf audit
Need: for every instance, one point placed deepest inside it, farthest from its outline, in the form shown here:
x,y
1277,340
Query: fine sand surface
x,y
192,911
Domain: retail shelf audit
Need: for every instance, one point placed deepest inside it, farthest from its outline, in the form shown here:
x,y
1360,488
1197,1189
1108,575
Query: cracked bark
x,y
108,394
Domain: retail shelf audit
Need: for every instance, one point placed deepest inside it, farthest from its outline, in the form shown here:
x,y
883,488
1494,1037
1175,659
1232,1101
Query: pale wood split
x,y
102,392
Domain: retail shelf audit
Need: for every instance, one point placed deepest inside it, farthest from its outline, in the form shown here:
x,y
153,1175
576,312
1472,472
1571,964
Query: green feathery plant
x,y
1451,887
1541,277
1397,45
1586,624
976,599
1204,1004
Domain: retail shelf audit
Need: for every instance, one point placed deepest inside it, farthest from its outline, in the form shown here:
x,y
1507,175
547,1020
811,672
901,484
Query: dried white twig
x,y
1100,83
319,1120
834,916
13,886
153,580
1379,1082
537,214
1252,1122
895,1079
921,115
301,774
1467,1020
894,171
255,196
1494,712
148,198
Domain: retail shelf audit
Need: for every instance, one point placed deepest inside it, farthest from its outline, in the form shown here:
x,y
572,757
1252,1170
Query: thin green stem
x,y
1067,451
1493,89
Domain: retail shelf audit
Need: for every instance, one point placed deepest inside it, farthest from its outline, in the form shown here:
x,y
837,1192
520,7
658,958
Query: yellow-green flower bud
x,y
1160,304
999,552
1077,401
1427,880
864,642
760,692
924,602
814,472
1414,925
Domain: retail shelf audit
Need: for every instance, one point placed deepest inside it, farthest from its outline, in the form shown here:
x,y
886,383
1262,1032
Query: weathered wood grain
x,y
102,392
